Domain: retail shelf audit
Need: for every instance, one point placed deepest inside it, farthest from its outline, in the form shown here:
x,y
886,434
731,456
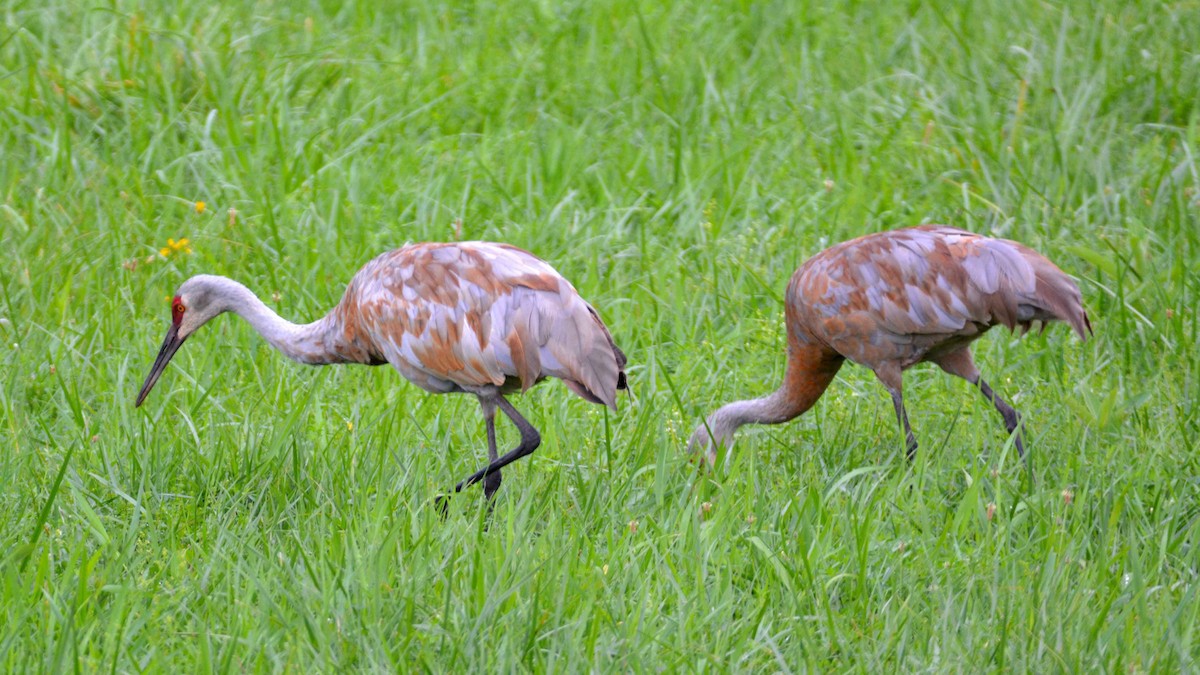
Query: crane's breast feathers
x,y
468,315
929,280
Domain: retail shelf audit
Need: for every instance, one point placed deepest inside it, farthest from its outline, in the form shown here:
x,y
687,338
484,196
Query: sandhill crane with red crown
x,y
474,317
894,299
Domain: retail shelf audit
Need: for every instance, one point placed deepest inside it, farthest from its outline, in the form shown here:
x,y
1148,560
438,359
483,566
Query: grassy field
x,y
676,163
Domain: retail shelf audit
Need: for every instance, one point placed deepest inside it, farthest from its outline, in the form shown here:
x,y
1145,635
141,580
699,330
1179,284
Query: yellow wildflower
x,y
199,207
175,246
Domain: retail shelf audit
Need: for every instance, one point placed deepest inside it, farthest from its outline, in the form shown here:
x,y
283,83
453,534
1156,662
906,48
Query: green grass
x,y
676,164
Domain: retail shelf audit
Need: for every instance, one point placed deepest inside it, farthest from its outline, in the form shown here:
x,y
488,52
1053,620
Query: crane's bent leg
x,y
961,364
1012,418
530,440
890,377
492,483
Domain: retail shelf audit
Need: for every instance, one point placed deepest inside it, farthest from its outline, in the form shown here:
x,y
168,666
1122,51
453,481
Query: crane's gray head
x,y
716,432
199,299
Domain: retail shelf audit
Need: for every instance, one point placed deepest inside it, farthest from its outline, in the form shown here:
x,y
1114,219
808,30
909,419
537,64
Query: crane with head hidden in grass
x,y
474,317
894,299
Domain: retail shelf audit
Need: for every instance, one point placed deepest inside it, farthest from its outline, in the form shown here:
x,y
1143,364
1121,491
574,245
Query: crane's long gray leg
x,y
492,483
890,377
530,440
961,364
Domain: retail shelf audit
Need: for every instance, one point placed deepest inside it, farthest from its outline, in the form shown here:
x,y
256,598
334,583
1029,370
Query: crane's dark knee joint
x,y
491,483
532,440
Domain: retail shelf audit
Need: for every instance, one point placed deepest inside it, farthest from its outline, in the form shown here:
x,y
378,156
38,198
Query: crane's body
x,y
893,299
473,317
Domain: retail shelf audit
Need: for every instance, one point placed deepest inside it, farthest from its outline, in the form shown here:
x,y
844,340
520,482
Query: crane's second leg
x,y
890,377
530,440
961,364
1012,418
492,483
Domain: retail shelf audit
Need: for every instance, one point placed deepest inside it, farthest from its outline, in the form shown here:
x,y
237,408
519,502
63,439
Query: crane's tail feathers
x,y
608,352
1056,297
584,393
622,383
563,337
577,348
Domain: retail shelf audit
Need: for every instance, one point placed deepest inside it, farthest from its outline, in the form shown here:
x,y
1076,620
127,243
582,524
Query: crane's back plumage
x,y
909,294
464,316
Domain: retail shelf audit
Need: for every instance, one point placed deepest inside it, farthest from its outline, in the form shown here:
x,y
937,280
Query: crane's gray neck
x,y
719,428
311,343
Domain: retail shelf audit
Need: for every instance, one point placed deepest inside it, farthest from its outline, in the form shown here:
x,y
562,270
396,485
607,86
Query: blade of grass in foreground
x,y
27,554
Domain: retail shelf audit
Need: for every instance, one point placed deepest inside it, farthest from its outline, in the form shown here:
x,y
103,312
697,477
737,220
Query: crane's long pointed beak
x,y
170,345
